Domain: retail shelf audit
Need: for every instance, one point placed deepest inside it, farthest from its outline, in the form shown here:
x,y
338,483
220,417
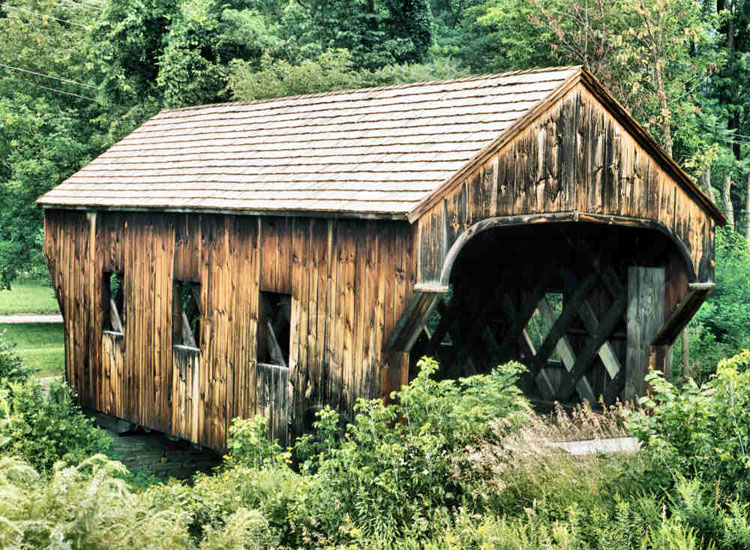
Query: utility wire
x,y
69,81
83,4
46,87
40,14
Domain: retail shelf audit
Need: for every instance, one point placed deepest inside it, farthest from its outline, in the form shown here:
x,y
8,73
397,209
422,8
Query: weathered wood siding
x,y
349,281
576,157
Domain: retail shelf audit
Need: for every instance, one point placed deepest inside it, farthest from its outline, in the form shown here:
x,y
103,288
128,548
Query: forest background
x,y
78,75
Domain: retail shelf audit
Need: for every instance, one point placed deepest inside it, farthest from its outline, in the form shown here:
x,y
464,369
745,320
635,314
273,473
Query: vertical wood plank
x,y
645,314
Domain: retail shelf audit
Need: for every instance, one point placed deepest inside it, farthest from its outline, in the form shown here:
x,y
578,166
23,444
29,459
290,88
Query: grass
x,y
28,296
40,344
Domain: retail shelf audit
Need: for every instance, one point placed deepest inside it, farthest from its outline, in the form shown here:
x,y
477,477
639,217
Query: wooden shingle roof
x,y
377,151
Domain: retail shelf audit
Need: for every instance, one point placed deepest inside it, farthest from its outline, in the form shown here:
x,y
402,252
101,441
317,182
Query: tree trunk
x,y
661,92
685,337
665,112
726,198
707,187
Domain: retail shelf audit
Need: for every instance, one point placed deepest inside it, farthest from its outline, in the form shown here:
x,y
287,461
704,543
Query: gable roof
x,y
371,152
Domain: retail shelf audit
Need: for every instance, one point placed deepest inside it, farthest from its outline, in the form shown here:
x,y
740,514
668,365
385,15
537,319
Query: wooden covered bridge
x,y
276,256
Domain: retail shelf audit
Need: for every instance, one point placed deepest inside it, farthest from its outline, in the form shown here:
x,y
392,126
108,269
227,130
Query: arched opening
x,y
553,296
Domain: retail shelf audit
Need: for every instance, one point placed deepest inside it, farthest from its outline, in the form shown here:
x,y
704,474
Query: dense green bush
x,y
699,431
41,426
394,466
12,366
452,464
45,427
83,507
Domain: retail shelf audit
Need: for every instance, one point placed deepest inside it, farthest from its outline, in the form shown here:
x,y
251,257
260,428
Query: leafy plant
x,y
699,431
45,428
12,366
250,446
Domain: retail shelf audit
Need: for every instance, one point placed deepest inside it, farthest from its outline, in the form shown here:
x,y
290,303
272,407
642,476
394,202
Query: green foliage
x,y
719,329
42,427
86,507
332,70
12,367
243,530
46,428
451,464
250,446
699,432
394,465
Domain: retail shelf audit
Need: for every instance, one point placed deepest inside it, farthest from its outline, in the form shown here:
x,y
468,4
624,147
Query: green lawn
x,y
28,297
41,344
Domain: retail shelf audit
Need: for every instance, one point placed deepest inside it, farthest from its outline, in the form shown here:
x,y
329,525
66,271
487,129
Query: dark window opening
x,y
274,328
186,315
113,301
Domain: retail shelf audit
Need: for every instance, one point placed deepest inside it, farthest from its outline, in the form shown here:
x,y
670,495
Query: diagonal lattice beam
x,y
593,343
562,323
565,351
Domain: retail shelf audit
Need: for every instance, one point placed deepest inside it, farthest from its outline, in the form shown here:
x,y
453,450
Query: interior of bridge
x,y
552,296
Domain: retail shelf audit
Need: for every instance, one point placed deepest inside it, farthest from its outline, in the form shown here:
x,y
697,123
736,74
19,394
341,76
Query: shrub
x,y
45,428
87,506
12,366
244,530
699,431
249,444
394,466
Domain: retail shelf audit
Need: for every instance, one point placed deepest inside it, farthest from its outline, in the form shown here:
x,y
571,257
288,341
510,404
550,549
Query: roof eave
x,y
338,214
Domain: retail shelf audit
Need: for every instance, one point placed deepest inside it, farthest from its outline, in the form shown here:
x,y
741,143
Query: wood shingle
x,y
377,151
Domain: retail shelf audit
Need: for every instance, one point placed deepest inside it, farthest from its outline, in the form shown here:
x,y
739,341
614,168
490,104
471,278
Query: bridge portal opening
x,y
577,303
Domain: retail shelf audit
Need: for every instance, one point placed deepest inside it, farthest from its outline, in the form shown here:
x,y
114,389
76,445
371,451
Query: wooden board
x,y
645,316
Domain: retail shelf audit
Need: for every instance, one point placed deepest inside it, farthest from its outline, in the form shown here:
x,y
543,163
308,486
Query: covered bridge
x,y
276,256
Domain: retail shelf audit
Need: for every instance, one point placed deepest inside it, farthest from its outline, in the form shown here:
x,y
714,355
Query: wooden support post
x,y
645,317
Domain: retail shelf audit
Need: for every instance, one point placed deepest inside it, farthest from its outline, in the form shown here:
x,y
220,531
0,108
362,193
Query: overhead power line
x,y
68,80
55,90
83,4
40,14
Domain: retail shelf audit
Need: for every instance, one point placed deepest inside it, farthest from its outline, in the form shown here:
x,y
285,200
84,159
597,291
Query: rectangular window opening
x,y
186,314
113,301
274,328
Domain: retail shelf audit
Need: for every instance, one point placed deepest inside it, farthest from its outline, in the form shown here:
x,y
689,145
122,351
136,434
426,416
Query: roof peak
x,y
558,68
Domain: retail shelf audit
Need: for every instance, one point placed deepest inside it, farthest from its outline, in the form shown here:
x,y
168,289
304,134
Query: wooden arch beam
x,y
559,217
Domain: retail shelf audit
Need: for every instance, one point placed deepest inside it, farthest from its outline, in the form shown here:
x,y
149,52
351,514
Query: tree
x,y
48,99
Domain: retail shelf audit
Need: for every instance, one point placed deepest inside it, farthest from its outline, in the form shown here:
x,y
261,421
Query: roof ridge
x,y
486,76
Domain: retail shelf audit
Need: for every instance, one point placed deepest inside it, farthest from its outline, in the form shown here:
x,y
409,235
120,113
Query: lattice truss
x,y
573,347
